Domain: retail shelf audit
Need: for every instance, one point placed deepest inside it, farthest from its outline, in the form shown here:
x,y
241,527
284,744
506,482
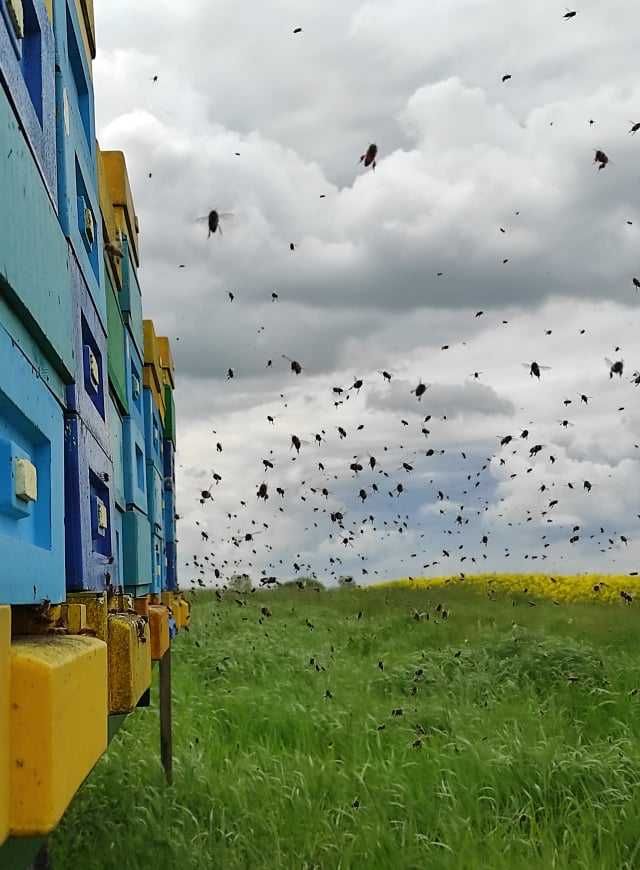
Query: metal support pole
x,y
166,736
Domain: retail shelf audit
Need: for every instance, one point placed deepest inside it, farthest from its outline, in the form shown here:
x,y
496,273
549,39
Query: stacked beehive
x,y
88,583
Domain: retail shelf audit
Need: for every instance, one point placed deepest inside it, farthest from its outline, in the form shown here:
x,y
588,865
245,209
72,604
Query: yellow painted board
x,y
151,347
159,629
5,671
115,168
49,7
58,725
129,661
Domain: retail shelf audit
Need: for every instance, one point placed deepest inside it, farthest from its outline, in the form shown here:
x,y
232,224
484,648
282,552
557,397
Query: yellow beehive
x,y
184,610
115,169
108,218
129,661
166,362
96,607
5,671
152,367
159,630
58,725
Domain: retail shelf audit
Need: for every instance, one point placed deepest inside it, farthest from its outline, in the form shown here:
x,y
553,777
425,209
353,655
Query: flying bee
x,y
213,221
615,368
535,369
369,157
601,159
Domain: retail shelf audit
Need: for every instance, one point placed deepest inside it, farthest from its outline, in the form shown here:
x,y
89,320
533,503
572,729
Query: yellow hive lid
x,y
115,168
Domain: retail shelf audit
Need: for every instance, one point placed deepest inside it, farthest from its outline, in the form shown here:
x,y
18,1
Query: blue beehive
x,y
116,436
159,571
89,508
169,515
155,500
31,483
34,271
137,563
88,394
118,547
78,201
135,470
153,440
169,462
171,579
27,72
131,296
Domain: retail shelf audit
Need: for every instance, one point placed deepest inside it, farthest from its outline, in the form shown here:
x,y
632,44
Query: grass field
x,y
348,730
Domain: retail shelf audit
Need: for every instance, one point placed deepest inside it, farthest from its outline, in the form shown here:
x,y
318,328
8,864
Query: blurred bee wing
x,y
608,361
545,368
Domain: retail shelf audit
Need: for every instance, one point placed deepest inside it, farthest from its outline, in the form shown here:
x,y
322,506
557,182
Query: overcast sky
x,y
492,184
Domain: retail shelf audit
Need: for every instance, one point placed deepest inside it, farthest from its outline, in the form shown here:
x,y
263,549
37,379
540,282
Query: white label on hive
x,y
94,369
26,480
102,517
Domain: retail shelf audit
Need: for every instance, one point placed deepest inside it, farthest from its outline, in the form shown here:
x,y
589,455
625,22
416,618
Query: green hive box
x,y
117,366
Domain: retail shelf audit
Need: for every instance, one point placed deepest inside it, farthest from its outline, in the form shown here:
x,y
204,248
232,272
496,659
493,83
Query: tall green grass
x,y
505,736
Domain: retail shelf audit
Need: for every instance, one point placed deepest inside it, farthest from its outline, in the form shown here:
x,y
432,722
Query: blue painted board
x,y
134,465
169,462
78,200
134,380
118,548
131,297
169,515
116,435
27,75
155,499
89,392
159,565
153,439
31,529
34,267
135,460
137,562
89,510
171,555
32,350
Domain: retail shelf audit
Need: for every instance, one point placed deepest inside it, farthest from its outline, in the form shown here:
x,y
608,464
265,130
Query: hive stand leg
x,y
166,736
42,860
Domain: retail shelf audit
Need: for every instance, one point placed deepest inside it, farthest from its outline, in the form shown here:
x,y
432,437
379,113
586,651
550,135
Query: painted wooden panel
x,y
34,267
27,75
89,508
31,483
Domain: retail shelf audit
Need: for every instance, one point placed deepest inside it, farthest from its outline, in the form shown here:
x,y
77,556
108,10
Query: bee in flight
x,y
213,221
369,157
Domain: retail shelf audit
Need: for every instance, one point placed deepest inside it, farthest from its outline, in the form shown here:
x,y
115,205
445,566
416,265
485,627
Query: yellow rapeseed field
x,y
606,588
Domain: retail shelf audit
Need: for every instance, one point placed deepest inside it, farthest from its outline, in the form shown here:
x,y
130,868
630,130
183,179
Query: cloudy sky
x,y
485,199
